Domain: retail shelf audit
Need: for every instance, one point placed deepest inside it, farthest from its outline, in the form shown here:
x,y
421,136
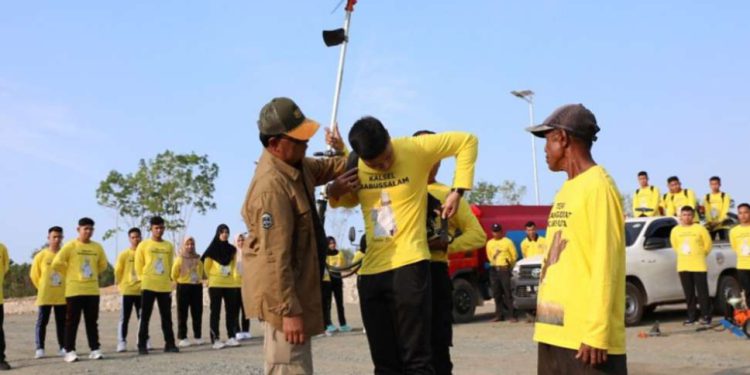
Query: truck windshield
x,y
632,230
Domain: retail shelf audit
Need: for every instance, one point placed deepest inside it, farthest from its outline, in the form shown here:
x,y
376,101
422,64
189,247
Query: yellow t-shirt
x,y
81,263
530,248
193,276
674,202
153,264
717,207
692,244
472,235
581,296
394,203
126,278
221,276
739,237
4,265
646,198
49,283
501,252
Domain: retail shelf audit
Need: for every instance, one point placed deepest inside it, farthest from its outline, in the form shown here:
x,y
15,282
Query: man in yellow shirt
x,y
129,285
153,265
50,295
739,237
394,282
580,310
81,261
533,244
678,198
502,255
647,199
692,243
716,208
4,264
471,237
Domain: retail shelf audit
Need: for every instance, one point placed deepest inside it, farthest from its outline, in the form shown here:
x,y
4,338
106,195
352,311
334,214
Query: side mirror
x,y
655,243
352,234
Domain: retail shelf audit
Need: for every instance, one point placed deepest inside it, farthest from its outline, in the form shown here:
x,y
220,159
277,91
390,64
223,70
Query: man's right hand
x,y
294,329
333,138
348,182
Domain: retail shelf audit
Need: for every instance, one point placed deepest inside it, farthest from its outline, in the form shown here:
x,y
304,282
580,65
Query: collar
x,y
268,159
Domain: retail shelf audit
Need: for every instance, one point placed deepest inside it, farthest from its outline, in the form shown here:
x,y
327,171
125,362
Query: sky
x,y
89,86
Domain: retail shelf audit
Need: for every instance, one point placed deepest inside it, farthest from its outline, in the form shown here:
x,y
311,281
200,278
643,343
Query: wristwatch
x,y
460,191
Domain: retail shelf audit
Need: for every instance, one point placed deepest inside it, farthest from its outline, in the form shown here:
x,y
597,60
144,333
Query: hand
x,y
294,330
591,356
450,207
333,138
437,243
346,183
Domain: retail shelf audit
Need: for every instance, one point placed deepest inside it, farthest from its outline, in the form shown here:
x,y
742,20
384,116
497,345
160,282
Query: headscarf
x,y
221,251
238,257
190,259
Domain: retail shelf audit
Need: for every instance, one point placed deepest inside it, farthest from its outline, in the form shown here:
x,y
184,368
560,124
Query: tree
x,y
483,193
627,204
486,193
171,185
511,193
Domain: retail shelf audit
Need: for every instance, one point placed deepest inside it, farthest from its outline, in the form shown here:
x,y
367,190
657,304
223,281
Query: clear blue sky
x,y
91,86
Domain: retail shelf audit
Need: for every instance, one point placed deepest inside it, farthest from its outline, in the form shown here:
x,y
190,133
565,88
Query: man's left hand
x,y
438,244
450,207
591,356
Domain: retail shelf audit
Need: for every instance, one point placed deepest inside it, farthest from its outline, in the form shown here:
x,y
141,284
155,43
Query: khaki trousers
x,y
283,358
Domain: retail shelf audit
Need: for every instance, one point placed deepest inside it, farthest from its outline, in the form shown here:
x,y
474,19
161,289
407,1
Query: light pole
x,y
528,97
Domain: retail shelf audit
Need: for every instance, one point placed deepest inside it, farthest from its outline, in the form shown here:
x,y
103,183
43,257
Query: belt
x,y
501,268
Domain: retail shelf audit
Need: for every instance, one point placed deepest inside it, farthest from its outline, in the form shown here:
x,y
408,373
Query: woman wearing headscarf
x,y
243,326
187,272
220,265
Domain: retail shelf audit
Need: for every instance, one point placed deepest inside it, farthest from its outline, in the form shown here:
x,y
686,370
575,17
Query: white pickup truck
x,y
651,271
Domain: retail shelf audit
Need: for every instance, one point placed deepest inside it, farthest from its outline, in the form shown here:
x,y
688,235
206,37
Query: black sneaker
x,y
688,322
4,366
171,349
705,321
142,351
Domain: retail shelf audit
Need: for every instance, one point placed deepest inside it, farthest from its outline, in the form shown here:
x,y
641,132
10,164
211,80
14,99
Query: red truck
x,y
468,270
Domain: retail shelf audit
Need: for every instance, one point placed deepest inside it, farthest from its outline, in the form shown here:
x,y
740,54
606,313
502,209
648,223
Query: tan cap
x,y
283,116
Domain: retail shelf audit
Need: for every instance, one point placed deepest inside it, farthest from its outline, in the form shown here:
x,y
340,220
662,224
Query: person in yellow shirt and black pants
x,y
187,272
4,265
716,208
395,279
692,243
153,264
647,199
219,263
81,261
50,292
501,253
533,244
580,325
333,287
243,324
678,198
739,237
129,285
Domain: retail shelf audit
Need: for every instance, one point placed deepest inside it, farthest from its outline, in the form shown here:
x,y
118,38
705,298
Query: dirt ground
x,y
480,348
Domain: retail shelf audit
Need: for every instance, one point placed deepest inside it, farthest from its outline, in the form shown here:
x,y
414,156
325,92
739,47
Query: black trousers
x,y
42,319
554,360
164,301
129,303
500,283
693,282
397,313
337,286
442,318
244,323
2,333
89,306
231,310
189,298
326,292
720,234
744,278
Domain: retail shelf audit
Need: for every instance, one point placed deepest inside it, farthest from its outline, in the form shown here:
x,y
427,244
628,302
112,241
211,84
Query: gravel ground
x,y
480,348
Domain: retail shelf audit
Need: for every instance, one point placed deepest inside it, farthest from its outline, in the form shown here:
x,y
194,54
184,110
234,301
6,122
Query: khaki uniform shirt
x,y
281,249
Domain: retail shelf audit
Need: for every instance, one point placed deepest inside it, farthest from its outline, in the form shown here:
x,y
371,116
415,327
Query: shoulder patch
x,y
266,220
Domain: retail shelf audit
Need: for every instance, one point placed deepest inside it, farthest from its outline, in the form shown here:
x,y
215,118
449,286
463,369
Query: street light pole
x,y
528,97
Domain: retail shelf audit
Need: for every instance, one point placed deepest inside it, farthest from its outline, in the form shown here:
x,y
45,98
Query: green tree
x,y
170,185
627,204
483,193
511,193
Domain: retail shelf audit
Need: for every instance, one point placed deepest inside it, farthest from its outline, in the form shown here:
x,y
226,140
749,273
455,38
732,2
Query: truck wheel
x,y
634,304
728,286
464,301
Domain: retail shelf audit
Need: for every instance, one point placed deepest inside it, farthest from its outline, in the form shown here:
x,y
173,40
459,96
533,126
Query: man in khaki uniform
x,y
286,242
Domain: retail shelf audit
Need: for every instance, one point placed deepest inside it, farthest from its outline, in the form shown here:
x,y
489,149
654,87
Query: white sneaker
x,y
183,343
39,354
148,345
122,347
71,357
96,354
232,343
248,335
218,345
199,342
239,336
61,353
